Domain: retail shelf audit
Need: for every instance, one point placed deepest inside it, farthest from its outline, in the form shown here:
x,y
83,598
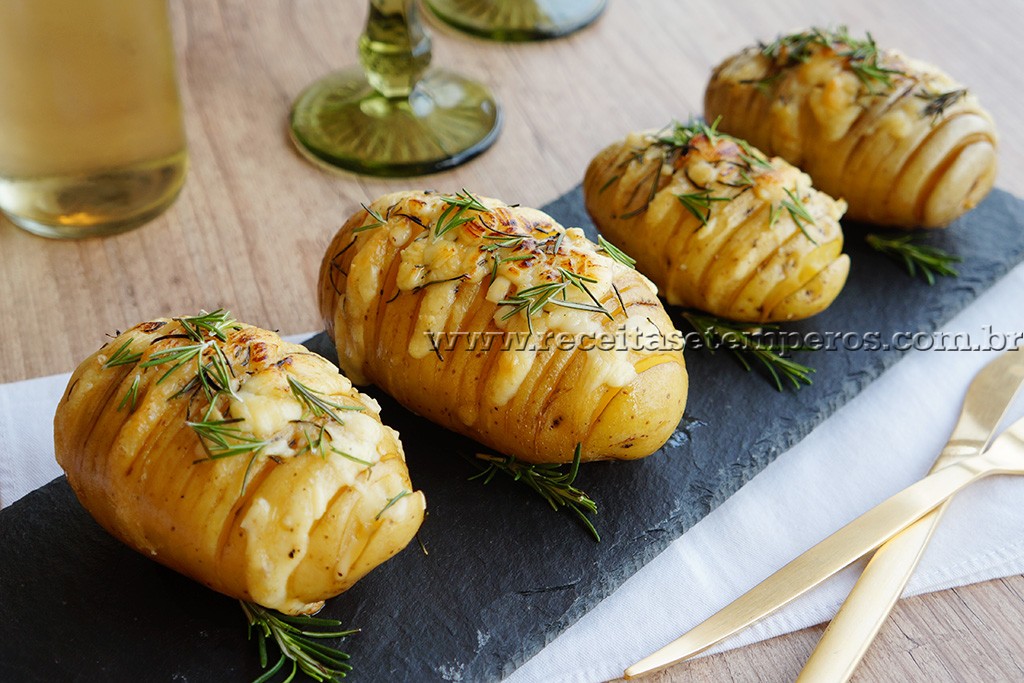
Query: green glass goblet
x,y
394,116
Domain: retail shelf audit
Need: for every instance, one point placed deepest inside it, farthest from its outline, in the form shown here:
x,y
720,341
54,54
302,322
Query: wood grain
x,y
254,219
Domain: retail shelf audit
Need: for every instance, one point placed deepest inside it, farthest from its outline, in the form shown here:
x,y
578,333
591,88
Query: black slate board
x,y
504,574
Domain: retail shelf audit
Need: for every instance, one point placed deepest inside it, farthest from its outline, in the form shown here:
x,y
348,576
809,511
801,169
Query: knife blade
x,y
861,616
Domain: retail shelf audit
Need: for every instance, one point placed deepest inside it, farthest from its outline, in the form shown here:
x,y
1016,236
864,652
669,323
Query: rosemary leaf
x,y
123,355
798,212
379,220
391,501
130,396
616,253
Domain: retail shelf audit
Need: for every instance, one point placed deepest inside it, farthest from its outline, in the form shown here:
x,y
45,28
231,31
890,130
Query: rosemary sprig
x,y
532,300
699,203
221,440
682,135
123,355
616,253
861,55
214,375
214,323
457,212
936,104
178,355
797,211
316,403
918,258
379,220
742,340
296,639
548,480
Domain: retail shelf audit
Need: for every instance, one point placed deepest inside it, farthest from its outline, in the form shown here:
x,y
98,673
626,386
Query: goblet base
x,y
341,121
517,20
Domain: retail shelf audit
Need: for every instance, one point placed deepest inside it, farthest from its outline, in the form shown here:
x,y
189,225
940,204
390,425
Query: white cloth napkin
x,y
880,442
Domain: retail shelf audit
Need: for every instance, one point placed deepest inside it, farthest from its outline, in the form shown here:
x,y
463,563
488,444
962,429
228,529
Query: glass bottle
x,y
91,134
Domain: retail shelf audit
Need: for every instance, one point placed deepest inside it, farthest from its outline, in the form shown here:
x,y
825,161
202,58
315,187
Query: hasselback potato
x,y
901,141
244,462
717,225
500,324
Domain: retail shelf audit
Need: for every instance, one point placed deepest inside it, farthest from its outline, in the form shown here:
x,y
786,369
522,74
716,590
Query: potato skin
x,y
909,149
306,526
534,401
743,255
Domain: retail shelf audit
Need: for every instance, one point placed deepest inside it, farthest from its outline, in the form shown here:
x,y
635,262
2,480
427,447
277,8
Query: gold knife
x,y
881,584
856,539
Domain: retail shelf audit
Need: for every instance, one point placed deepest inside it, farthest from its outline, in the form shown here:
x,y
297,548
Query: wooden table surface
x,y
251,225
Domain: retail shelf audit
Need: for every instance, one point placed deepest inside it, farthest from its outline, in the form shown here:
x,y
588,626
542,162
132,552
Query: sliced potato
x,y
489,319
716,225
903,143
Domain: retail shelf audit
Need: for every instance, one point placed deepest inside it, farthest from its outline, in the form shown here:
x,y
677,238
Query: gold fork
x,y
859,537
858,621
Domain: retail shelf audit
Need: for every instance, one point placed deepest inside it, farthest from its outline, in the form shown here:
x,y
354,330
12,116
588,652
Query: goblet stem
x,y
394,49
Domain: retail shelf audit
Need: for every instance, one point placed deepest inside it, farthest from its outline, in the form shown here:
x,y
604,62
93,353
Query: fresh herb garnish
x,y
221,439
532,300
678,139
797,211
131,396
215,323
616,253
742,339
918,258
699,203
457,212
316,403
862,56
123,355
213,375
548,480
391,501
297,639
379,220
936,104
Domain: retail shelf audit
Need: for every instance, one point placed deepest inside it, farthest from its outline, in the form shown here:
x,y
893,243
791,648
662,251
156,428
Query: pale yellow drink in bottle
x,y
91,136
